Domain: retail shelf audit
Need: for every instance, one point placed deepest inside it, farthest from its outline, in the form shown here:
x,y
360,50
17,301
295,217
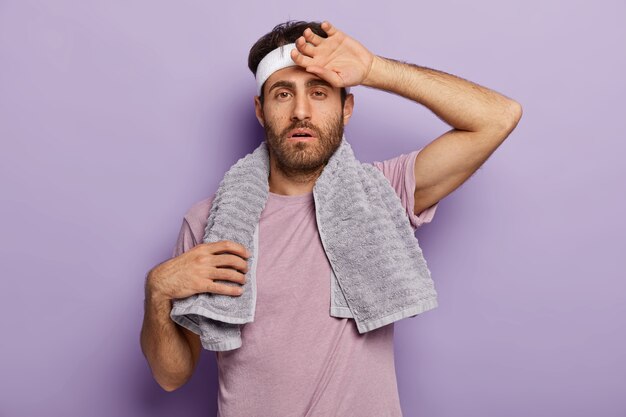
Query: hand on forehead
x,y
338,58
283,57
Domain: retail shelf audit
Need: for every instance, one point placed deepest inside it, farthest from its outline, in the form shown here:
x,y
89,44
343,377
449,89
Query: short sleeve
x,y
400,171
192,229
185,241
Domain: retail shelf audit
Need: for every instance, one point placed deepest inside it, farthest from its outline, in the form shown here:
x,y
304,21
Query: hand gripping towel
x,y
379,274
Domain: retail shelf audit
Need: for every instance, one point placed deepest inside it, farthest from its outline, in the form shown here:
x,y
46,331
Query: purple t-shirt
x,y
296,359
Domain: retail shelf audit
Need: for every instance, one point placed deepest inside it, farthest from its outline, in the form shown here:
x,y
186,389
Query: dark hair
x,y
283,34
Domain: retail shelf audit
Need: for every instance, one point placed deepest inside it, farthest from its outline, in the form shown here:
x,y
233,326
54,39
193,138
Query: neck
x,y
289,182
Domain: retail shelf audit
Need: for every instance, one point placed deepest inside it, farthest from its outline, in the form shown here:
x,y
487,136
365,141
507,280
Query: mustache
x,y
301,125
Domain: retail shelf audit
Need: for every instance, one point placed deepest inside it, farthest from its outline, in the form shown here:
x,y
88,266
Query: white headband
x,y
278,59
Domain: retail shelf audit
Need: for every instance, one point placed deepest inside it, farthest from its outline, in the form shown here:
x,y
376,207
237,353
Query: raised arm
x,y
481,118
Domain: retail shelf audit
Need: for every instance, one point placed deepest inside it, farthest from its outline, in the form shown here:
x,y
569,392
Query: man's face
x,y
303,119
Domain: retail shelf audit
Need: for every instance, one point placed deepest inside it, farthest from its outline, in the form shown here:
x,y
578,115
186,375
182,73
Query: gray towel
x,y
380,274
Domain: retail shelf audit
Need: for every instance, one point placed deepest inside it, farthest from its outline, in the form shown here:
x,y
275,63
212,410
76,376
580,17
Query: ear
x,y
258,109
348,106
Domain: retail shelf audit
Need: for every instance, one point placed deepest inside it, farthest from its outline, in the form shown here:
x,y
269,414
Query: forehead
x,y
294,74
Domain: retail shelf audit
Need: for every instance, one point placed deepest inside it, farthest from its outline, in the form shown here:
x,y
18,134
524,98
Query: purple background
x,y
116,116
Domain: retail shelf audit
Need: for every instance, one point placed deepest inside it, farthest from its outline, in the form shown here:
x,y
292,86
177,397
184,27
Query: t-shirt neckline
x,y
291,199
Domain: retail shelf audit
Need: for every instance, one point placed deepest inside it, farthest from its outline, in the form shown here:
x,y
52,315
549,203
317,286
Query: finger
x,y
304,47
230,247
328,28
232,261
312,37
300,59
227,274
331,76
234,291
217,288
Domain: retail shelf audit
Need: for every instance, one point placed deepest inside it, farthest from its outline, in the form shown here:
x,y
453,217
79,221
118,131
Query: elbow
x,y
172,379
170,388
172,384
508,119
516,112
513,115
167,378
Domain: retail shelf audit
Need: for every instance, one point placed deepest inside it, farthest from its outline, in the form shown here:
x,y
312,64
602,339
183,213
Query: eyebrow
x,y
318,81
290,84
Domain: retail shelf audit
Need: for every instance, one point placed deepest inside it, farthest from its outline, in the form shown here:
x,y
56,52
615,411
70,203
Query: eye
x,y
283,95
319,93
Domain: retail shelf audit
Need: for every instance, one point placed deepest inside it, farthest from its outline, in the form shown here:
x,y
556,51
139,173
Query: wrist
x,y
372,79
153,292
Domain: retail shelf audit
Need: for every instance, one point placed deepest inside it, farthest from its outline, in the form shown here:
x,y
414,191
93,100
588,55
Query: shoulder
x,y
396,166
197,215
199,209
399,170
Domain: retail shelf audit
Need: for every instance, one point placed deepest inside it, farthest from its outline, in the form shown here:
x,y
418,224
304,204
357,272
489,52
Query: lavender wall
x,y
116,116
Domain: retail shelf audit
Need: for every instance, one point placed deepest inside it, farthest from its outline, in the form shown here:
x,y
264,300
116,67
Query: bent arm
x,y
171,353
481,119
462,104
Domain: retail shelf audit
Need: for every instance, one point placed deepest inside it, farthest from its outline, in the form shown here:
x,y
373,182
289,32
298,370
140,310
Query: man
x,y
296,359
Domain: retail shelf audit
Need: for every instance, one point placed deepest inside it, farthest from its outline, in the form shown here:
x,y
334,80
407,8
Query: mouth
x,y
301,135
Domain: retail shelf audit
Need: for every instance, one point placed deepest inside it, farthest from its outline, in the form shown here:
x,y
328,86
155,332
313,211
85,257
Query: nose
x,y
301,108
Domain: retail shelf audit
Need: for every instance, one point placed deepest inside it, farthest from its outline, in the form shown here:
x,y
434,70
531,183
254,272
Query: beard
x,y
303,160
